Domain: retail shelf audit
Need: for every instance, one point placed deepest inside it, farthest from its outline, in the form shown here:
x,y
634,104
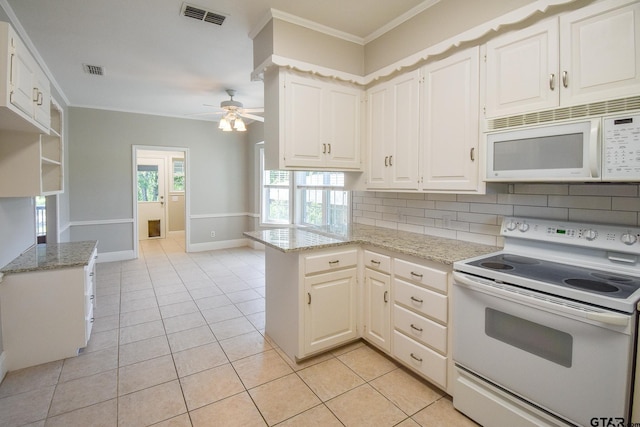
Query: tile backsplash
x,y
477,218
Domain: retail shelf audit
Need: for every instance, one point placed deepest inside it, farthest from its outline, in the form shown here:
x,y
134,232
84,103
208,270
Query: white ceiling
x,y
159,62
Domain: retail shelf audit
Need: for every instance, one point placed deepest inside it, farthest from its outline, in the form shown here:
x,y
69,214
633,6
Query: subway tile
x,y
412,228
478,218
623,190
441,197
555,189
387,224
580,202
522,199
486,208
453,206
625,204
477,198
423,204
541,212
440,232
483,239
420,221
603,216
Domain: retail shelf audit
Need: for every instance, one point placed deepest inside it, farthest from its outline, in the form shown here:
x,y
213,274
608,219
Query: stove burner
x,y
591,285
520,259
611,278
497,266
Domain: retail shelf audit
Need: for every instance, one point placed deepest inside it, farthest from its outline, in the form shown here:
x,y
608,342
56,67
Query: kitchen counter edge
x,y
51,256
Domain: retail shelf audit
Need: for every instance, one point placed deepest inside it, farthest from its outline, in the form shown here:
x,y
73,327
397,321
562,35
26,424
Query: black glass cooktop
x,y
596,281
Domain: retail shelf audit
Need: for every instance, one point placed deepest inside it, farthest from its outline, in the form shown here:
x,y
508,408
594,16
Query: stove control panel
x,y
599,236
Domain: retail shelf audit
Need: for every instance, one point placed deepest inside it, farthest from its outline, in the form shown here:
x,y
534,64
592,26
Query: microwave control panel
x,y
621,148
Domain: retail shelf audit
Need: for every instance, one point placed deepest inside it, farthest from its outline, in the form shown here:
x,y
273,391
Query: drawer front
x,y
421,329
424,301
330,261
377,261
425,361
88,325
427,276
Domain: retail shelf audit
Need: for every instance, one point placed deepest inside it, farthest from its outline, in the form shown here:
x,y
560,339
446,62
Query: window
x,y
307,198
177,175
147,183
322,199
276,195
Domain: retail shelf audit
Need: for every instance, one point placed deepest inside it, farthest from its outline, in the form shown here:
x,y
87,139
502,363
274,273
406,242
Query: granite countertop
x,y
439,249
51,256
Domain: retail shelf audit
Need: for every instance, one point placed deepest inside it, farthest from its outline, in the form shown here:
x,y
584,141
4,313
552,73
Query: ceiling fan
x,y
233,112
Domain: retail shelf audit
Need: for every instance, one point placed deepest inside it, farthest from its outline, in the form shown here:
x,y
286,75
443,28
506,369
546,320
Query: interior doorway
x,y
160,193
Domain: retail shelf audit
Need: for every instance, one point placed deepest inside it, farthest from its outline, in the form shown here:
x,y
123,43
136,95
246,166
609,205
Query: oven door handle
x,y
607,318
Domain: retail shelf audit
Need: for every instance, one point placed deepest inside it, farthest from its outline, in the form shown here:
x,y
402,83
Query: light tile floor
x,y
179,340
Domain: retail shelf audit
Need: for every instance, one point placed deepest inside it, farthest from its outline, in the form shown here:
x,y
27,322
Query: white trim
x,y
314,26
400,20
220,215
468,36
256,245
3,365
115,256
223,244
100,222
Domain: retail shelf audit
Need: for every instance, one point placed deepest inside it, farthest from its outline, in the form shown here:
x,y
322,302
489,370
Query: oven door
x,y
570,360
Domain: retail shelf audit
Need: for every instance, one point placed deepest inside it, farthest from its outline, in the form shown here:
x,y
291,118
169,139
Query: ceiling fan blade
x,y
252,117
253,110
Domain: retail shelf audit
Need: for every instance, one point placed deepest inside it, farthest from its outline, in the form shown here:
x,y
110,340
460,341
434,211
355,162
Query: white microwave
x,y
595,149
558,152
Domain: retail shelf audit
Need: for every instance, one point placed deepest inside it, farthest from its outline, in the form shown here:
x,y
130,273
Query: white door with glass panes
x,y
151,198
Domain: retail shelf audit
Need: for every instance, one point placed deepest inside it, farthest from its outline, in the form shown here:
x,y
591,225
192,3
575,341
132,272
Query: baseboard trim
x,y
3,365
256,245
212,246
114,256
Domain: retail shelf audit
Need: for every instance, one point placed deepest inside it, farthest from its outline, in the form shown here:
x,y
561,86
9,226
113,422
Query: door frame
x,y
187,191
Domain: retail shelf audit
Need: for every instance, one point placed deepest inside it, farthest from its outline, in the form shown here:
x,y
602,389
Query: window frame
x,y
264,221
173,174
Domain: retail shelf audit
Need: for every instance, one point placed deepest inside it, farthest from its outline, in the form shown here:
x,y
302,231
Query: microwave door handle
x,y
594,148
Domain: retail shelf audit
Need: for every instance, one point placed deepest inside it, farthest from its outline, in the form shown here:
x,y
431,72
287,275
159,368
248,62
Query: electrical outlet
x,y
213,234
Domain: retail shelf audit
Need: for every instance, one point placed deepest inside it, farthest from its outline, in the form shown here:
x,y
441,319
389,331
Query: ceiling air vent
x,y
95,70
201,14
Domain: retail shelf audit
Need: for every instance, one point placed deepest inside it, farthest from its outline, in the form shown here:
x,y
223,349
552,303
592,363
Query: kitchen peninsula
x,y
47,297
390,287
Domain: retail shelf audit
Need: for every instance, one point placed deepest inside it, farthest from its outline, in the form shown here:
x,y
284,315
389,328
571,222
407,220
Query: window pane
x,y
178,175
276,177
312,206
338,209
276,205
147,183
321,179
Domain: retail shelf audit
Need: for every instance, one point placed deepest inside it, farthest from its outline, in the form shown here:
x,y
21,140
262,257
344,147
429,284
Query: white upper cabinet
x,y
522,70
600,52
393,133
589,55
311,123
24,89
450,133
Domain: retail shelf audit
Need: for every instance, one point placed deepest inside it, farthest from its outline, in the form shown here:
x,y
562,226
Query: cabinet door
x,y
330,310
404,114
22,77
521,70
451,131
377,308
342,127
42,99
378,135
303,122
600,52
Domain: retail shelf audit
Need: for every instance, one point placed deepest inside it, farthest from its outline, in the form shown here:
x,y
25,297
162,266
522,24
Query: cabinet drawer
x,y
421,274
330,261
425,301
427,362
377,261
421,329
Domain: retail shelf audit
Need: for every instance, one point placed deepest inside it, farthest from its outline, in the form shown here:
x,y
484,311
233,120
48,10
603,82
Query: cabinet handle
x,y
552,81
373,261
472,154
40,98
308,298
413,356
324,148
416,275
92,319
329,152
416,328
92,297
417,300
565,78
386,296
390,160
36,93
334,262
386,161
91,274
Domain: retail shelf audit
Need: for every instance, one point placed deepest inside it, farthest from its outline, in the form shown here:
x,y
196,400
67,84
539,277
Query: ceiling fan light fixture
x,y
238,125
224,125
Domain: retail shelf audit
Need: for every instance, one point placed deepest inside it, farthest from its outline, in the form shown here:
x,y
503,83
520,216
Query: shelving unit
x,y
32,164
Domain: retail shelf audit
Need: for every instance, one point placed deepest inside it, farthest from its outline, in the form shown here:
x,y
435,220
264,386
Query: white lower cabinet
x,y
311,299
47,315
377,300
